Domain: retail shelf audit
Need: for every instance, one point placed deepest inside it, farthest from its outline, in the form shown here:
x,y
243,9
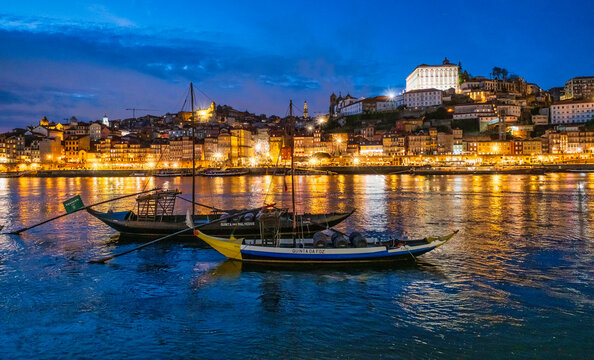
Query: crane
x,y
134,111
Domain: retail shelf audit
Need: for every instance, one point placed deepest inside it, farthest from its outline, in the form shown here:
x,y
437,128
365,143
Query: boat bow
x,y
231,247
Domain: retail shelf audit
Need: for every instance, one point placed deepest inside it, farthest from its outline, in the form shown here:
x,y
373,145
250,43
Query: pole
x,y
17,232
193,152
293,170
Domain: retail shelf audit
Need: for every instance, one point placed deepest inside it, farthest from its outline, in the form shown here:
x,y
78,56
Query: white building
x,y
571,112
509,110
391,103
422,98
368,105
442,77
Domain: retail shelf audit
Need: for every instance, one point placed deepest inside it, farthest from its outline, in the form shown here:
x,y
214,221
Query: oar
x,y
17,232
103,260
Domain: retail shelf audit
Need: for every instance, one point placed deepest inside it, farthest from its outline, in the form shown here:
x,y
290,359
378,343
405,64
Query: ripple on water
x,y
515,282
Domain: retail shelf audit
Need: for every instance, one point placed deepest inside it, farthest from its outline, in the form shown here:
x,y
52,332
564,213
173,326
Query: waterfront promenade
x,y
393,170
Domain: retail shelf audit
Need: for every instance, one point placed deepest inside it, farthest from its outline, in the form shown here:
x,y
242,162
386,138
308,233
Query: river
x,y
515,282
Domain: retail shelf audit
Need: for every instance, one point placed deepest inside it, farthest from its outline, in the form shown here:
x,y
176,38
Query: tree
x,y
504,73
496,72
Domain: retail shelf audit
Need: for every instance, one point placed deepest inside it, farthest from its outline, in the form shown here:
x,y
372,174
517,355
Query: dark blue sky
x,y
60,58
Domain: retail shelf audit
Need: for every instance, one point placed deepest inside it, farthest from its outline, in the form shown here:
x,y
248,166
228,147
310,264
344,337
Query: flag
x,y
73,204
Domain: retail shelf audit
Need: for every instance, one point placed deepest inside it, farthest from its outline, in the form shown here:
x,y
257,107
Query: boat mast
x,y
193,151
293,169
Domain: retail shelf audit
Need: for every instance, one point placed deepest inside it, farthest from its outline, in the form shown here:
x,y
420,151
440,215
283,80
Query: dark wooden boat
x,y
223,172
154,215
246,226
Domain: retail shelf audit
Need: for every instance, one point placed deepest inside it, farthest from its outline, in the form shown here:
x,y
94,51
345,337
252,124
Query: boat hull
x,y
234,248
124,222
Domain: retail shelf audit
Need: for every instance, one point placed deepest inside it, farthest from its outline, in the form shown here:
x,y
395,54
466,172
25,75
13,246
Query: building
x,y
580,141
76,147
441,77
579,88
50,150
493,147
422,98
366,106
540,119
394,144
371,148
557,93
392,103
572,112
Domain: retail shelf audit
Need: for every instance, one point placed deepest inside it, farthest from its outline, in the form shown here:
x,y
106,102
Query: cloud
x,y
85,69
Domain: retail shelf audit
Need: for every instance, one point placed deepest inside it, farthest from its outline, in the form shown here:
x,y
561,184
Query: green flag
x,y
73,204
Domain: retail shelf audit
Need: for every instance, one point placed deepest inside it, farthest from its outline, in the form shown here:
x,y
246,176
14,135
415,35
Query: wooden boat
x,y
303,171
223,172
319,252
154,215
15,174
581,171
247,226
169,174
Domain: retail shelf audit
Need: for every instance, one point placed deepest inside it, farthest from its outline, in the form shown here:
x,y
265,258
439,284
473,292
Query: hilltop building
x,y
441,77
578,88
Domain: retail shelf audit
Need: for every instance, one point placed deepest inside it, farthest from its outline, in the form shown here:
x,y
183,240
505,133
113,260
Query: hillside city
x,y
445,116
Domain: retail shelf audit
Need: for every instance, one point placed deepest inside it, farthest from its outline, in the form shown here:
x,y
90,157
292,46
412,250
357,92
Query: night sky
x,y
60,58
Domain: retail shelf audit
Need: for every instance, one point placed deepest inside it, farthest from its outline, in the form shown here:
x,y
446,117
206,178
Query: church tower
x,y
305,113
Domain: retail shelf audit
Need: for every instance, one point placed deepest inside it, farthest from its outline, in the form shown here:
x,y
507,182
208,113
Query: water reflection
x,y
523,258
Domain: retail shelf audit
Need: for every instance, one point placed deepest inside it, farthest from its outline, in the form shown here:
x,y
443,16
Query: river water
x,y
516,282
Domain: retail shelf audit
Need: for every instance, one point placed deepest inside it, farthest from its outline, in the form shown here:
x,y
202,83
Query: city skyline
x,y
106,57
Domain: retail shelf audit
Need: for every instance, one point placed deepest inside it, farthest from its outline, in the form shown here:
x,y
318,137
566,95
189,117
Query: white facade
x,y
422,98
571,112
352,109
390,104
442,77
509,110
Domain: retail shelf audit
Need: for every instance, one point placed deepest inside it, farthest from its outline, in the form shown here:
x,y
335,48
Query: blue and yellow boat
x,y
330,251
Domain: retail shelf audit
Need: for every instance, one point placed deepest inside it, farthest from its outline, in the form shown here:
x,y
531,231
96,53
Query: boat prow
x,y
230,247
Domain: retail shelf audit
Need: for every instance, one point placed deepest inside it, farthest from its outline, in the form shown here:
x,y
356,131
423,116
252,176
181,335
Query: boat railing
x,y
156,205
